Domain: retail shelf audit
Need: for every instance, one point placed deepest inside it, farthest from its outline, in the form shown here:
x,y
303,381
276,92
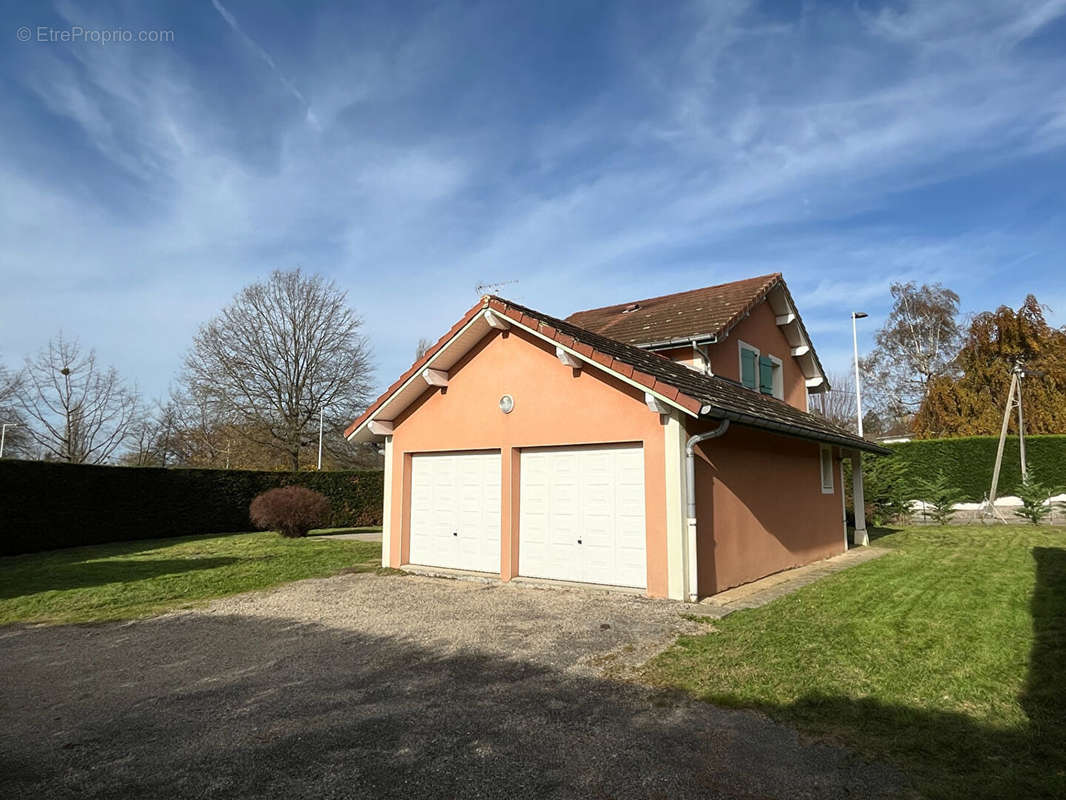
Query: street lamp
x,y
321,411
3,434
858,386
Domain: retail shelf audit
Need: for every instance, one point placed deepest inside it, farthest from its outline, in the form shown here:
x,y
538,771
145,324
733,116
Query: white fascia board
x,y
600,366
418,375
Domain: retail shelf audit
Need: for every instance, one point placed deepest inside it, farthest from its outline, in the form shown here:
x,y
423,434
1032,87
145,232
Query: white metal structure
x,y
856,315
581,515
455,511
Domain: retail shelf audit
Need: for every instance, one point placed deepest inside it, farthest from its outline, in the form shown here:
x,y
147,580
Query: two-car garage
x,y
581,513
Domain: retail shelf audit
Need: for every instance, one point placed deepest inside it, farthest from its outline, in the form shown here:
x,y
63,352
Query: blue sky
x,y
593,152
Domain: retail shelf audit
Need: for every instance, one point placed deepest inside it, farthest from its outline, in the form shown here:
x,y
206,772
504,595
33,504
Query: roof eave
x,y
797,431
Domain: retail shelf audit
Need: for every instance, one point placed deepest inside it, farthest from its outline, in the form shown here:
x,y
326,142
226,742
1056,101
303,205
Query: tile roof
x,y
698,313
705,395
701,395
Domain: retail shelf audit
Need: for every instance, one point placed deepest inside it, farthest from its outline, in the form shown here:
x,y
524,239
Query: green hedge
x,y
46,505
968,462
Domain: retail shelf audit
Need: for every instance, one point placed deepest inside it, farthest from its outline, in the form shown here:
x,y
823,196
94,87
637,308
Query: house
x,y
662,444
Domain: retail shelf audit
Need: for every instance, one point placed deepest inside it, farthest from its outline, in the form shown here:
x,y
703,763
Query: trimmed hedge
x,y
967,462
45,505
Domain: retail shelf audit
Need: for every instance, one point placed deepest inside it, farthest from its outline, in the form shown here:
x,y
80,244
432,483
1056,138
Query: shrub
x,y
939,497
888,489
1034,496
290,510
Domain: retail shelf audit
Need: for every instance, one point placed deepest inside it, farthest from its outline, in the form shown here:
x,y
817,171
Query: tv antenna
x,y
492,288
1014,400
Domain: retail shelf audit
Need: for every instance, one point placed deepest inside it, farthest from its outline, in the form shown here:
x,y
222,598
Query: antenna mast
x,y
492,288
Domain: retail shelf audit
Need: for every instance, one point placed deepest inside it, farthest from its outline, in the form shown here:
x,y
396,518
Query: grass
x,y
136,579
946,656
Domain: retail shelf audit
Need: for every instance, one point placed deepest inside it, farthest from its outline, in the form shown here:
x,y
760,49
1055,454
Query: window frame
x,y
825,453
741,347
779,370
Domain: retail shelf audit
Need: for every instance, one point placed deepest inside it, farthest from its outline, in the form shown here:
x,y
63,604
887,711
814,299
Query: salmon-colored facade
x,y
760,507
604,427
553,405
761,331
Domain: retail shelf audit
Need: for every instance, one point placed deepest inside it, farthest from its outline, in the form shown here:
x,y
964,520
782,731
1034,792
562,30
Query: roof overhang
x,y
795,431
480,322
791,324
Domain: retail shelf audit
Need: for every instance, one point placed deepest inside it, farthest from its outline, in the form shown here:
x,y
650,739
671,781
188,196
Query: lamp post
x,y
3,434
321,410
856,315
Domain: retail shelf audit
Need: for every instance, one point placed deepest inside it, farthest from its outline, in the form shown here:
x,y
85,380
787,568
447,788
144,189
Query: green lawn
x,y
946,656
136,579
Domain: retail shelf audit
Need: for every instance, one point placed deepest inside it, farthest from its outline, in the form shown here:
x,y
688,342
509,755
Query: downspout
x,y
690,476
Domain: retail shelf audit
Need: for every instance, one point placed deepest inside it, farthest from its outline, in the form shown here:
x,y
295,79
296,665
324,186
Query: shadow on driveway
x,y
193,706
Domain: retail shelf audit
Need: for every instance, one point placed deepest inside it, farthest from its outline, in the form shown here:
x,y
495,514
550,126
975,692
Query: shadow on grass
x,y
85,574
951,754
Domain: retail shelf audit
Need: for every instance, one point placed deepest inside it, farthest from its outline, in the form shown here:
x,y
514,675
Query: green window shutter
x,y
748,359
766,375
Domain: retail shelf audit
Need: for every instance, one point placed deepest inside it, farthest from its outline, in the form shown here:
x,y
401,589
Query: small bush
x,y
888,489
1034,496
290,510
939,497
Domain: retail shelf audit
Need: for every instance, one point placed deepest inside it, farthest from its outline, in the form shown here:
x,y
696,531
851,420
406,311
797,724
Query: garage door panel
x,y
455,511
582,515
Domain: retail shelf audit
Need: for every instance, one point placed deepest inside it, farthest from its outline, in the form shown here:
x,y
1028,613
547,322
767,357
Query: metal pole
x,y
1002,439
1021,427
320,412
858,385
3,436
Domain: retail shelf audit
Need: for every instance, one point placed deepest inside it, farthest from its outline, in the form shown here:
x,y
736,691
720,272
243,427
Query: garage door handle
x,y
579,541
455,533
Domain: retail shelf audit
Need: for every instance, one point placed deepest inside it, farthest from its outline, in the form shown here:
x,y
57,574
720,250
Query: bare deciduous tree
x,y
283,350
422,348
76,410
16,437
917,344
838,404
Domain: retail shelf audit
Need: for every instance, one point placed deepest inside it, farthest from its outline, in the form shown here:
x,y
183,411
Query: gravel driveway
x,y
372,686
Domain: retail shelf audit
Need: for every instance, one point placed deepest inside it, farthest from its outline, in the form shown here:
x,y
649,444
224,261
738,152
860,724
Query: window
x,y
761,373
826,457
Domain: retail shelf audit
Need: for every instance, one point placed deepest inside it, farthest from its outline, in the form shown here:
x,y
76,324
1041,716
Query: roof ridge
x,y
767,278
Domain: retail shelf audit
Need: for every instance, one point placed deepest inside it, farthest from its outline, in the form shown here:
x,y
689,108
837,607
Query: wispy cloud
x,y
611,158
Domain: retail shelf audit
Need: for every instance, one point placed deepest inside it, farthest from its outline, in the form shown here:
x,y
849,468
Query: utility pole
x,y
1002,439
321,410
1021,421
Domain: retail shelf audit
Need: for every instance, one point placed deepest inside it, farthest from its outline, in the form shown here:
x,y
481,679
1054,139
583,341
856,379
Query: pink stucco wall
x,y
760,507
554,405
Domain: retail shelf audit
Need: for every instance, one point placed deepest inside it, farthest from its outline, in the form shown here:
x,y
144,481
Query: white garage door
x,y
455,511
581,515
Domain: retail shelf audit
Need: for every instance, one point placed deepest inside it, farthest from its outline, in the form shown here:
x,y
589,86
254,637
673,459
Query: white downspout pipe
x,y
690,494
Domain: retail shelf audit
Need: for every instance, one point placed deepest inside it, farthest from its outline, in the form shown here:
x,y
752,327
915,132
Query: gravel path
x,y
372,686
575,630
